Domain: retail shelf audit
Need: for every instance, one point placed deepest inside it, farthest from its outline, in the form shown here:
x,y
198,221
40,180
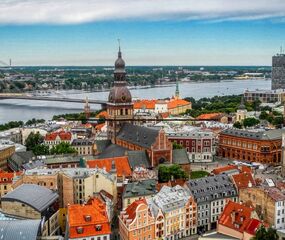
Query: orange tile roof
x,y
122,165
238,217
102,114
77,214
165,114
100,126
242,180
209,116
174,103
223,169
62,135
7,177
145,104
246,169
131,209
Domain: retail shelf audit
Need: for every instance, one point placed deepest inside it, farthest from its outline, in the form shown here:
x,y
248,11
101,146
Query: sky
x,y
152,32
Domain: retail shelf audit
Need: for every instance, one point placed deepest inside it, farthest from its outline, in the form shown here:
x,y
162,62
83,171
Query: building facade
x,y
6,151
265,96
200,145
268,202
254,146
211,194
137,222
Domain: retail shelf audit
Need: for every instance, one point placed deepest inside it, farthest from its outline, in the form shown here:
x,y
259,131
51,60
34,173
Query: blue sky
x,y
235,34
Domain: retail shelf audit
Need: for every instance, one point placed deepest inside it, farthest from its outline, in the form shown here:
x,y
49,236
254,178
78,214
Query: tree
x,y
34,139
263,115
62,148
237,125
176,146
250,122
165,173
41,149
265,234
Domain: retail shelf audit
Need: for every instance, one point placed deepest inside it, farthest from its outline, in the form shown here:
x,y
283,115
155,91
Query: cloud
x,y
81,11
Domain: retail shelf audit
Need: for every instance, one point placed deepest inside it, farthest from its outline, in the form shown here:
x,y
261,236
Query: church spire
x,y
177,94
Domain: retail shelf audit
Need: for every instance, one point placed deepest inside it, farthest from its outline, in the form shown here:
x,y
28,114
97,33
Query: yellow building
x,y
6,151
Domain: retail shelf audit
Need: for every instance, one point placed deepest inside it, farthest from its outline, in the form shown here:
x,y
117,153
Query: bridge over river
x,y
51,99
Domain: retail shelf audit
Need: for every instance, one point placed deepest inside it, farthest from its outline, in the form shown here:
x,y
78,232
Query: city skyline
x,y
180,32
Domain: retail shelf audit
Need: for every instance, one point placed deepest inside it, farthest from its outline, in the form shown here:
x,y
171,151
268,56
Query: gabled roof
x,y
20,229
37,197
102,114
238,217
64,136
121,163
243,180
138,135
132,208
87,217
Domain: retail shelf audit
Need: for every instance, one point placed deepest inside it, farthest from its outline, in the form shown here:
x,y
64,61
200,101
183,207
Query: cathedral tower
x,y
119,106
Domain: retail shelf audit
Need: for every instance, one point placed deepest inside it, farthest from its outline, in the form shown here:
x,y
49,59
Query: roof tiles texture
x,y
87,218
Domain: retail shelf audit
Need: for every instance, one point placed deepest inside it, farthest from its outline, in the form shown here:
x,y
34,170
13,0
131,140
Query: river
x,y
15,110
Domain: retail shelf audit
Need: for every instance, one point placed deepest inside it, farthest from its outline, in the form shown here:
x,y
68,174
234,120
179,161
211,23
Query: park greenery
x,y
175,145
35,144
75,116
16,124
198,174
167,173
222,104
266,234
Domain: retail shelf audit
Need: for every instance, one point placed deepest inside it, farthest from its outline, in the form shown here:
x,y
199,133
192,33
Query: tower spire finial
x,y
119,53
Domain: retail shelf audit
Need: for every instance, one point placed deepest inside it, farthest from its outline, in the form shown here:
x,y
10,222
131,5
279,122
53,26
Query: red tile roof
x,y
145,104
7,177
238,217
122,165
210,116
174,103
99,126
223,169
64,136
131,209
78,218
246,169
102,114
243,180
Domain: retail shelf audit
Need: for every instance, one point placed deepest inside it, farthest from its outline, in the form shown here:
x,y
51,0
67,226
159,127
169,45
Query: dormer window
x,y
87,218
98,227
79,230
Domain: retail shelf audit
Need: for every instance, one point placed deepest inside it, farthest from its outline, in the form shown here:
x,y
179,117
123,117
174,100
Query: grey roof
x,y
61,159
33,164
169,198
138,159
82,142
140,188
138,135
210,188
217,236
113,150
102,145
22,157
180,156
38,197
19,229
258,135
